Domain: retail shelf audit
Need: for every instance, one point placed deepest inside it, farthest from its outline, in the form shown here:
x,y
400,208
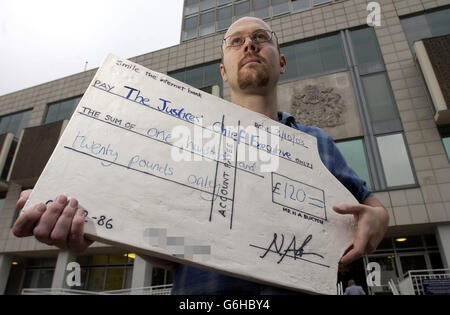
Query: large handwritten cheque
x,y
165,169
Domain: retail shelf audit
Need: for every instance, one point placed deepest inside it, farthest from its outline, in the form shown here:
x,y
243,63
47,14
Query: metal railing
x,y
51,291
340,288
412,284
154,290
393,287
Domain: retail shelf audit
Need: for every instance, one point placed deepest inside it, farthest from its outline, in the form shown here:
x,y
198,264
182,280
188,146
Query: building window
x,y
355,155
105,272
319,2
381,103
395,160
39,273
200,76
280,7
378,93
261,9
207,23
301,5
367,52
313,57
439,22
389,168
331,53
2,200
241,9
191,7
445,136
446,142
190,27
207,4
224,18
9,159
61,110
222,2
431,24
161,276
14,123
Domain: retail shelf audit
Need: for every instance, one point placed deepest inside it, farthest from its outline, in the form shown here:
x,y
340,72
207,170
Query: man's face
x,y
251,67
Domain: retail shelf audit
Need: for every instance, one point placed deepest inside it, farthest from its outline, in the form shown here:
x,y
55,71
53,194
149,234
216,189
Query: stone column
x,y
142,274
5,267
59,277
443,238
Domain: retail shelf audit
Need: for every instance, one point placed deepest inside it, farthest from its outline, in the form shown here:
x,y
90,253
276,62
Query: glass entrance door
x,y
412,261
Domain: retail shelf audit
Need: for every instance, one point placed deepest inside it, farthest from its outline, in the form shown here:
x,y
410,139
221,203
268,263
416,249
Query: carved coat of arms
x,y
317,106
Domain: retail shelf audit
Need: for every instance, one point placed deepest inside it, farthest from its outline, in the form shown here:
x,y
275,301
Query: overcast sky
x,y
44,40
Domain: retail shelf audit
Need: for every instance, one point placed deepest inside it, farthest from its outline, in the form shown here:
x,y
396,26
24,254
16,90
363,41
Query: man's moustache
x,y
250,56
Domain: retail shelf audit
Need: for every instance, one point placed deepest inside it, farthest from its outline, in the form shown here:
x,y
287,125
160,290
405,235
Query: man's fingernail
x,y
73,203
62,200
80,213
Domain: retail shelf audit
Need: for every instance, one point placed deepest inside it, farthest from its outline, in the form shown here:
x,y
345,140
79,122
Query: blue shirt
x,y
354,290
193,281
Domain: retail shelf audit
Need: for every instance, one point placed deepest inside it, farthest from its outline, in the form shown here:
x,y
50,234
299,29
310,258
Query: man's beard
x,y
255,75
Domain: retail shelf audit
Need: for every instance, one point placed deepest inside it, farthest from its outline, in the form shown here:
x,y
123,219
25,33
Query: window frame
x,y
316,74
444,132
425,15
25,125
228,7
370,184
44,118
411,164
375,164
180,75
391,127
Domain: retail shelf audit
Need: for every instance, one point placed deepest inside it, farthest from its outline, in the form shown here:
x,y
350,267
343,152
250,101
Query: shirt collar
x,y
286,119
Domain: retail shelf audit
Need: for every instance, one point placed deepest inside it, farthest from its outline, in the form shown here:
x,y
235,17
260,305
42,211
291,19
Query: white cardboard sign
x,y
165,169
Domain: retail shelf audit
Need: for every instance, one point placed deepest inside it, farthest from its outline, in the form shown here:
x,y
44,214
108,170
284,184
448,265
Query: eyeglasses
x,y
257,37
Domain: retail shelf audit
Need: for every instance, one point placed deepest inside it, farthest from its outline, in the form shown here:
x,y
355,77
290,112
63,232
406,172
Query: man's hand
x,y
372,219
59,223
